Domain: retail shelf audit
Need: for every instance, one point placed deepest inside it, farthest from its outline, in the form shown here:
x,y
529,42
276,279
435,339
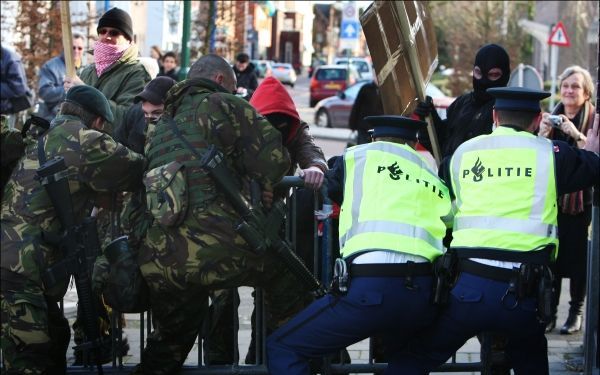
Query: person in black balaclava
x,y
470,115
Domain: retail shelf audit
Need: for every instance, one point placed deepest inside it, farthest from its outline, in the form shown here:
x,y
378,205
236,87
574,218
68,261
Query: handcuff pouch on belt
x,y
341,277
545,295
445,271
535,281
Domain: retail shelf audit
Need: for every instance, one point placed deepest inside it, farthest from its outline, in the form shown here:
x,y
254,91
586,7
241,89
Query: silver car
x,y
334,111
284,73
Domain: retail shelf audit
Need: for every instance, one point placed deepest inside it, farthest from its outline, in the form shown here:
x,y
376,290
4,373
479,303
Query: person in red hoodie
x,y
271,100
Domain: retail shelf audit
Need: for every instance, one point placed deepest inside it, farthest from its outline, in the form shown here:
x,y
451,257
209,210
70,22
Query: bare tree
x,y
480,22
38,35
9,10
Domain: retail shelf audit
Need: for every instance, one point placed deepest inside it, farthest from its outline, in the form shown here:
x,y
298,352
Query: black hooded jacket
x,y
470,115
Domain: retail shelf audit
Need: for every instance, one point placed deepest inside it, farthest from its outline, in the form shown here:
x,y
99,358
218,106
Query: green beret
x,y
90,99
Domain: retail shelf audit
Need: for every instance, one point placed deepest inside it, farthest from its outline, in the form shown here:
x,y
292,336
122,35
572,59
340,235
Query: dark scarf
x,y
572,203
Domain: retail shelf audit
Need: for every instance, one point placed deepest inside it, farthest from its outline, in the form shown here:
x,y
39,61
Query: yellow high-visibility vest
x,y
393,200
505,190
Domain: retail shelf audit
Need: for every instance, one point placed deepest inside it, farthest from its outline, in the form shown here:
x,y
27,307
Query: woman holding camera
x,y
569,122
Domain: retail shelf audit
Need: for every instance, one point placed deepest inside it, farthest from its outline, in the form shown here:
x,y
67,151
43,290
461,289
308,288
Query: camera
x,y
555,120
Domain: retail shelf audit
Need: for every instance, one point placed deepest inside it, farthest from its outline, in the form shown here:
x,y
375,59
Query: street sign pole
x,y
553,69
520,75
349,29
558,38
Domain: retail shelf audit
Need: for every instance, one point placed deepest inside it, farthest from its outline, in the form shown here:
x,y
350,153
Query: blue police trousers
x,y
389,307
478,305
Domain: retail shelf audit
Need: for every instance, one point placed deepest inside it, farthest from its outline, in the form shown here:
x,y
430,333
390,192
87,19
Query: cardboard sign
x,y
389,49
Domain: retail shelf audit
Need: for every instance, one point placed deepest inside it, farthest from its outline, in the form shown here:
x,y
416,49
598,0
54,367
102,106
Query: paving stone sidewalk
x,y
561,348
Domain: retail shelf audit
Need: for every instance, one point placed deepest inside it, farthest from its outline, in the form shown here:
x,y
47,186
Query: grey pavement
x,y
560,347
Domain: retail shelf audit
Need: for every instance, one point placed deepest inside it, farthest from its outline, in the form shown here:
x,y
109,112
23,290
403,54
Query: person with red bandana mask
x,y
470,115
271,100
118,74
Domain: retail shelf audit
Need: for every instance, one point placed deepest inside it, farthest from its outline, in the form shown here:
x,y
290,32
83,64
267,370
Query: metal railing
x,y
322,266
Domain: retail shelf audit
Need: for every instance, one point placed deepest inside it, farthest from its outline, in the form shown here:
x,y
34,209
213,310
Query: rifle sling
x,y
40,150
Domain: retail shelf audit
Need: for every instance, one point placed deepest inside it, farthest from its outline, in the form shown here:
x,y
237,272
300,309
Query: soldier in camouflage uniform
x,y
188,252
35,334
271,100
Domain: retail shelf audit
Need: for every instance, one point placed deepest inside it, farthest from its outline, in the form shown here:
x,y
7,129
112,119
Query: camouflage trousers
x,y
35,333
180,274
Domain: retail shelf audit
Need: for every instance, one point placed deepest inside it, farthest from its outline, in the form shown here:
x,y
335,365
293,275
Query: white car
x,y
285,73
362,65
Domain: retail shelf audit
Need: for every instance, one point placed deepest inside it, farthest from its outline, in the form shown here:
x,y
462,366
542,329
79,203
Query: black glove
x,y
425,108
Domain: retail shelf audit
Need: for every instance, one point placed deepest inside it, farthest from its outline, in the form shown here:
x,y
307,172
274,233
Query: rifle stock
x,y
252,226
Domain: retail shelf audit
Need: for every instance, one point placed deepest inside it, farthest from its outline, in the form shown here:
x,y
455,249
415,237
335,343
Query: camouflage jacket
x,y
96,164
120,83
207,114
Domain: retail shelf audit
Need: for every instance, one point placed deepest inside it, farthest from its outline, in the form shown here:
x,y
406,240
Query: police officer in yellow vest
x,y
504,187
392,223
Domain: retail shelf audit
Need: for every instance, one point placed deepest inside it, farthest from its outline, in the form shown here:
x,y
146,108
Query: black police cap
x,y
517,98
90,99
395,126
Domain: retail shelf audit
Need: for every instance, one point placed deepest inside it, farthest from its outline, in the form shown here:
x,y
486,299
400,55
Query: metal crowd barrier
x,y
322,265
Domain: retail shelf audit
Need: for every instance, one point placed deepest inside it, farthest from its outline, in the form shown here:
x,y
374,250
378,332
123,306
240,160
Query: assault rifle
x,y
259,229
79,243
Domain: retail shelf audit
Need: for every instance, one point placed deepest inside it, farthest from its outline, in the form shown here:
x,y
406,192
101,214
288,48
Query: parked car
x,y
334,112
327,80
362,65
316,63
285,73
263,67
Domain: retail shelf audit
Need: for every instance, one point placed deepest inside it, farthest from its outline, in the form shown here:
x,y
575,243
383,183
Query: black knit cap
x,y
118,19
156,90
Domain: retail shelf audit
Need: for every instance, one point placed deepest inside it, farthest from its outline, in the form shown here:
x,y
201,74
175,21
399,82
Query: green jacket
x,y
96,163
120,83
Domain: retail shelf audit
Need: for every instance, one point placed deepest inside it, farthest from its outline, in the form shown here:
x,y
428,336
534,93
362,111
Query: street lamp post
x,y
185,40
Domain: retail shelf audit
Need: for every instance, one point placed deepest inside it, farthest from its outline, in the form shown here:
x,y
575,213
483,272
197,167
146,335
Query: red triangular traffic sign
x,y
558,36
